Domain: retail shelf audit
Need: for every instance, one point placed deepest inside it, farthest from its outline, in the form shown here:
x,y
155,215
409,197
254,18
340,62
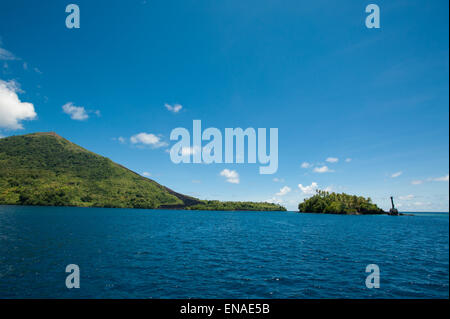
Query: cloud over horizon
x,y
406,197
173,108
7,55
396,174
283,191
231,176
332,160
309,190
147,139
440,179
12,109
431,179
77,113
322,169
306,165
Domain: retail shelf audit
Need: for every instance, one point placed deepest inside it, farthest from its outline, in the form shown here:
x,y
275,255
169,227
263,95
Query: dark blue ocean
x,y
126,253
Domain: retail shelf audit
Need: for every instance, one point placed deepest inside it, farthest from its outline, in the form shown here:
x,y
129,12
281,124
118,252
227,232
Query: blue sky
x,y
374,99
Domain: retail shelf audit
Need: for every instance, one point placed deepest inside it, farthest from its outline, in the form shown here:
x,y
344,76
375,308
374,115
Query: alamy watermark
x,y
73,19
373,279
234,143
73,279
373,19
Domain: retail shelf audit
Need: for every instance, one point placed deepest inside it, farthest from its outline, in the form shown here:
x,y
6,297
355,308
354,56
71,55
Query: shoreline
x,y
210,210
135,208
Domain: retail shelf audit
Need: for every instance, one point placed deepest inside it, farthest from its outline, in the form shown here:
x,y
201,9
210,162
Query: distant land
x,y
44,169
343,204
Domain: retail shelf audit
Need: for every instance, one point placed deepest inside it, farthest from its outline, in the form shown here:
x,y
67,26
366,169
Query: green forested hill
x,y
333,203
46,169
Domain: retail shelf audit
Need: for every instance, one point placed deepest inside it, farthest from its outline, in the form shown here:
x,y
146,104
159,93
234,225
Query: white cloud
x,y
440,179
396,174
348,160
275,200
283,191
322,169
6,55
77,113
431,179
306,165
120,139
231,176
147,139
407,197
332,159
278,180
12,110
173,108
146,174
309,190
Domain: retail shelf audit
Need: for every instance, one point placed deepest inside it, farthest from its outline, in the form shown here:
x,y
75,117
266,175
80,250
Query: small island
x,y
344,204
235,206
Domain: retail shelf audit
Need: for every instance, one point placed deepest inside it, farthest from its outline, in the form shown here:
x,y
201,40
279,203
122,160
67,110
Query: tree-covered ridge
x,y
218,205
333,203
47,170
